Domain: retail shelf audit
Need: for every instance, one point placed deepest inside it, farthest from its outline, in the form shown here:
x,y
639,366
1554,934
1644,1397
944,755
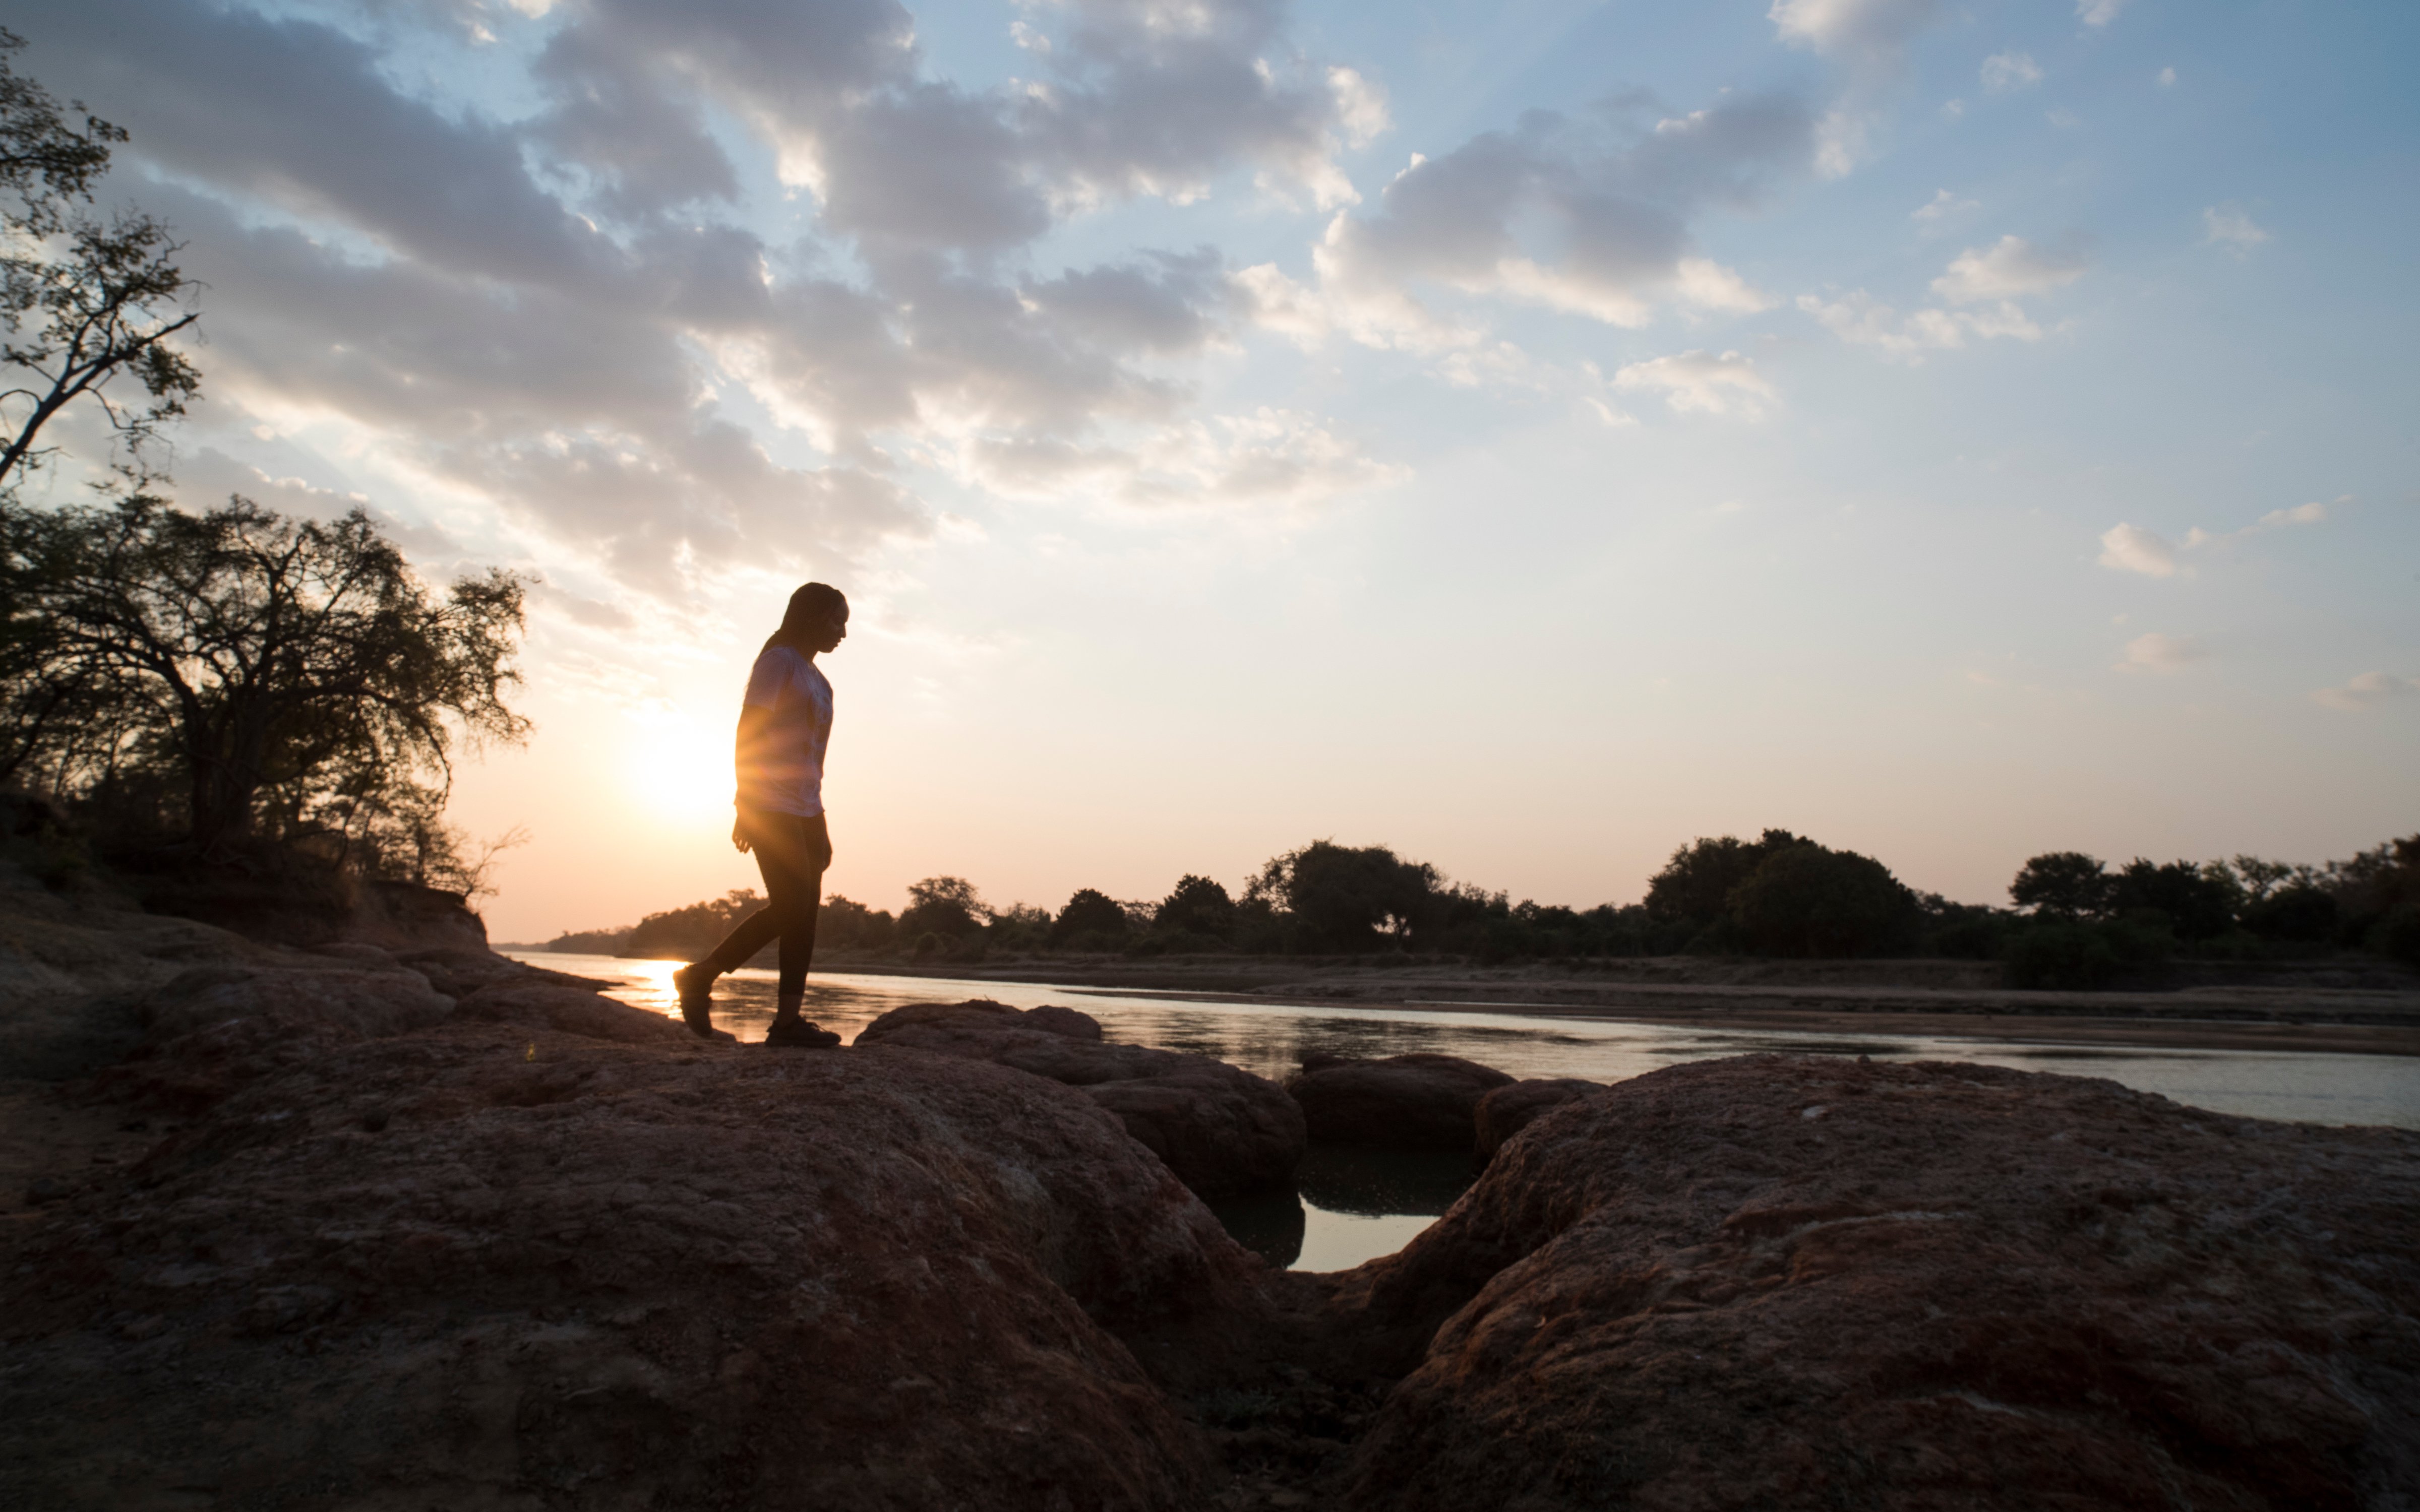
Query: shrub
x,y
2301,914
2062,957
843,924
2397,936
947,906
2199,902
1806,900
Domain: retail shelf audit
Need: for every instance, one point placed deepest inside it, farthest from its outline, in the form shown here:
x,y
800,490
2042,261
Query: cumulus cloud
x,y
563,319
2366,692
1700,381
1588,215
2097,12
2231,227
2132,549
2162,654
2010,268
2003,71
1874,29
1942,206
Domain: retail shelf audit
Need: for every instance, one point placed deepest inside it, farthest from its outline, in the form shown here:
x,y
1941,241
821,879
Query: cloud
x,y
2003,71
2010,268
1588,215
2168,79
1944,205
1696,380
2133,549
2097,12
1874,29
2231,227
2162,653
2367,691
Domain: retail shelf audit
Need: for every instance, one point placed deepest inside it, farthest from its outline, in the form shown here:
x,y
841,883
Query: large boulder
x,y
1221,1129
355,998
1416,1102
494,1265
1508,1109
1781,1283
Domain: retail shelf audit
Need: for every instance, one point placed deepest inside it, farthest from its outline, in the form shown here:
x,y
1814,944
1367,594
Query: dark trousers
x,y
792,854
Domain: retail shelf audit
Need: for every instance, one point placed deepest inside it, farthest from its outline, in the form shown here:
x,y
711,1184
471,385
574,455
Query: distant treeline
x,y
2074,920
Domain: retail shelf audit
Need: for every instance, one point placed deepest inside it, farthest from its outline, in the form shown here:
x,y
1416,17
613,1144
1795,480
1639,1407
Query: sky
x,y
1526,434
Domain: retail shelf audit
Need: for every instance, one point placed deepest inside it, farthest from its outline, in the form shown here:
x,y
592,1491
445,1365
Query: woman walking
x,y
784,724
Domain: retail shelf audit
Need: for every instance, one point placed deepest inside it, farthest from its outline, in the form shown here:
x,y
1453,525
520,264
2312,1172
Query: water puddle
x,y
1348,1204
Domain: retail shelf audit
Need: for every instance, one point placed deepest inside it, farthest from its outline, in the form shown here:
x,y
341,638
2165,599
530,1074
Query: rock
x,y
568,1010
1221,1129
1507,1110
356,1001
1417,1102
623,1275
1782,1282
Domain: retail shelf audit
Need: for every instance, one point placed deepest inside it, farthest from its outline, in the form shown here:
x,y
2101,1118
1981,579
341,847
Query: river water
x,y
1353,1206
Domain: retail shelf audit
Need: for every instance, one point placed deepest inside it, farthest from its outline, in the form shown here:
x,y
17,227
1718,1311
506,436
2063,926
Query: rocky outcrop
x,y
1417,1102
1774,1282
486,1264
1507,1110
1221,1129
356,1001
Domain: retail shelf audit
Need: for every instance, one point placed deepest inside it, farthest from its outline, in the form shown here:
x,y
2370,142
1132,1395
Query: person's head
x,y
816,620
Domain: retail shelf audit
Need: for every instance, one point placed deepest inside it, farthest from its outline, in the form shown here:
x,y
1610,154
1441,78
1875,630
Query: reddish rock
x,y
1507,1110
1775,1281
1417,1102
568,1010
354,999
431,1271
1221,1129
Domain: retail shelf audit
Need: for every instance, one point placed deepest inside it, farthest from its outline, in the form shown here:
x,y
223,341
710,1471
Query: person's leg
x,y
773,840
807,856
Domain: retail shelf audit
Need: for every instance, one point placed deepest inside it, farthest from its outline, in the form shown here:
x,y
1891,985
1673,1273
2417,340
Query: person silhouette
x,y
778,759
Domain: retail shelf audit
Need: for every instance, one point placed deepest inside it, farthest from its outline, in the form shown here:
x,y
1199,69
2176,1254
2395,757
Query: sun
x,y
678,765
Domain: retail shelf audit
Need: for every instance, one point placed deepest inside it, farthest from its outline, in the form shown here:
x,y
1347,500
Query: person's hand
x,y
739,837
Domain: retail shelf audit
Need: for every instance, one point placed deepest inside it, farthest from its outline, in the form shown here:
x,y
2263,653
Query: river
x,y
1354,1206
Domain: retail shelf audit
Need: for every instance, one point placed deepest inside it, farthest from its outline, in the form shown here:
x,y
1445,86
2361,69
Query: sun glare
x,y
680,767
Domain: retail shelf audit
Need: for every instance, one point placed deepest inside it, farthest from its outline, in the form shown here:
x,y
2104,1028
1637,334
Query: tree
x,y
1695,887
86,301
1804,899
2065,884
290,670
2199,902
1198,906
941,906
1345,898
1091,916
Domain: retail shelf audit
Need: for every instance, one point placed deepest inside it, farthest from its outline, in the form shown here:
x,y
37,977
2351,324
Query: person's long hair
x,y
811,608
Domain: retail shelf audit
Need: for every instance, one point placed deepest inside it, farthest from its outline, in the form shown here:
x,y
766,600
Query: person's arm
x,y
748,749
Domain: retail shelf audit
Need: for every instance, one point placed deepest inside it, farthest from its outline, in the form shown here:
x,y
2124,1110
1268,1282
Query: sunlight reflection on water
x,y
1271,1039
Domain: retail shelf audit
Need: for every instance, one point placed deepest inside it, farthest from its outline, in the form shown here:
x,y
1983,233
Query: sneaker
x,y
695,986
800,1034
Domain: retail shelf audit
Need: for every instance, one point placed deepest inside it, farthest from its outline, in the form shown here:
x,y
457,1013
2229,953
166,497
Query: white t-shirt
x,y
786,774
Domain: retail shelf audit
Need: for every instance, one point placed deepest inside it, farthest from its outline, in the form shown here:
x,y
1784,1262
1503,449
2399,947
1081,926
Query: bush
x,y
1807,900
843,924
2062,957
1341,898
2199,902
947,906
2301,914
2397,936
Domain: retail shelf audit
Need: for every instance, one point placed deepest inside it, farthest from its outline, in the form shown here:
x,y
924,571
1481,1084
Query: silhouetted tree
x,y
1197,907
2197,903
85,302
271,664
1092,919
1341,898
1804,899
941,906
2067,885
844,924
1695,887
